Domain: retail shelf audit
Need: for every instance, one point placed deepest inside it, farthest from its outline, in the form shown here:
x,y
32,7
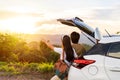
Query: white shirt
x,y
59,50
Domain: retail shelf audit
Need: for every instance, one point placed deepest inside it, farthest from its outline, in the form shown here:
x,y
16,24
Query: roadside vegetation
x,y
19,57
25,68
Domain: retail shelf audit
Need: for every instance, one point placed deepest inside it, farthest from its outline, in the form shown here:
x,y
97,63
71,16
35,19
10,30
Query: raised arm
x,y
56,49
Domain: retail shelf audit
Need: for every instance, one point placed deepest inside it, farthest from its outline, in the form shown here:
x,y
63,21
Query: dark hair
x,y
75,37
68,48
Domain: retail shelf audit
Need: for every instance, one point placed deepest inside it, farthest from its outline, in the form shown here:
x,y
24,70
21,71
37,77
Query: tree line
x,y
15,49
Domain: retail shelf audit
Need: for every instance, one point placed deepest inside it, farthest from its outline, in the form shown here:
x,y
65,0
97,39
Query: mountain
x,y
53,39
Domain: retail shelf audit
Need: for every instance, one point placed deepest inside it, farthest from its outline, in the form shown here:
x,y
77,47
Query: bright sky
x,y
39,16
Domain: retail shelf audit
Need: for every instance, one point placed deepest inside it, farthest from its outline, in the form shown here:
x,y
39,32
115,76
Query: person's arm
x,y
63,58
49,45
56,49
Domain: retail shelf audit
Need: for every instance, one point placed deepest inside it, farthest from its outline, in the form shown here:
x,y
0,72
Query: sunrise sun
x,y
20,24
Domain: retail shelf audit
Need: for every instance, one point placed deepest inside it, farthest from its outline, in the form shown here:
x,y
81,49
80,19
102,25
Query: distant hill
x,y
53,39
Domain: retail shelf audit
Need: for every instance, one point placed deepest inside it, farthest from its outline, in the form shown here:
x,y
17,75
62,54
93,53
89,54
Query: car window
x,y
114,51
99,48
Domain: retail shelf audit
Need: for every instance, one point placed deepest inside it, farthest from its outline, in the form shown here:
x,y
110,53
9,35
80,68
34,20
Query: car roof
x,y
110,39
100,48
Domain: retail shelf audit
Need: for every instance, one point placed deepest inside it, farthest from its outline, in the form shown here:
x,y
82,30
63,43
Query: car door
x,y
112,62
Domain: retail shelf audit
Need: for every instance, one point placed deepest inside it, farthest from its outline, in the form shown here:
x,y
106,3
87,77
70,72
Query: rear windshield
x,y
99,48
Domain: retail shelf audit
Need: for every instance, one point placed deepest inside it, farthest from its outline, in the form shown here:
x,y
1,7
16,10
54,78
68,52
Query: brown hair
x,y
75,37
68,48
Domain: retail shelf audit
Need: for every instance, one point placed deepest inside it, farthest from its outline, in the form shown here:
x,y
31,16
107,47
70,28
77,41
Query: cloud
x,y
7,14
39,23
56,29
116,13
107,13
101,17
11,14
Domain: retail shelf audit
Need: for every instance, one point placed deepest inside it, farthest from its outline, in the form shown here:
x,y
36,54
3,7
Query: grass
x,y
44,70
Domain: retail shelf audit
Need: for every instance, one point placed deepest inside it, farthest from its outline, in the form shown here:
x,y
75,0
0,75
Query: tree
x,y
13,48
33,45
49,54
7,44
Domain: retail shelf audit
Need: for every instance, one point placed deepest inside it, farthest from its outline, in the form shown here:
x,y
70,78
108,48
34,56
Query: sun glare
x,y
22,24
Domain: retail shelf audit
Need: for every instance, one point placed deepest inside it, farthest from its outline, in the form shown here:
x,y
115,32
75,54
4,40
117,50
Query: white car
x,y
102,61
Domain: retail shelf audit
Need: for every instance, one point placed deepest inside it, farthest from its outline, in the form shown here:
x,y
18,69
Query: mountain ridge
x,y
52,38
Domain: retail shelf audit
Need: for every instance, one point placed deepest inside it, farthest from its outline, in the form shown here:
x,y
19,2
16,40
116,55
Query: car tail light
x,y
83,62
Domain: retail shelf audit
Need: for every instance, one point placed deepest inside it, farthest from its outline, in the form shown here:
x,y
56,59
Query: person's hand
x,y
49,44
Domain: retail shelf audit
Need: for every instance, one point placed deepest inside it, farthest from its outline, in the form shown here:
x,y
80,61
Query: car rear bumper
x,y
76,74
